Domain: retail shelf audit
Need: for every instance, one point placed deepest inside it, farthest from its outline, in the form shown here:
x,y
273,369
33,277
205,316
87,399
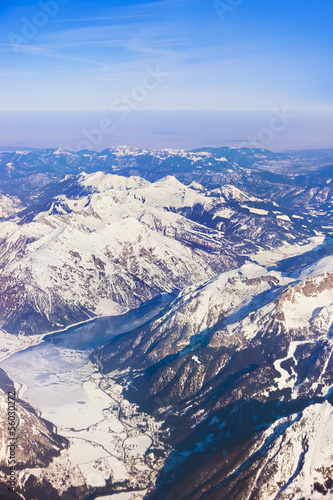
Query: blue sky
x,y
259,55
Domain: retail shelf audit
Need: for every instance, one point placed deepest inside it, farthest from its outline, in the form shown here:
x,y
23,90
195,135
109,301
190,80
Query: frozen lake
x,y
51,375
108,436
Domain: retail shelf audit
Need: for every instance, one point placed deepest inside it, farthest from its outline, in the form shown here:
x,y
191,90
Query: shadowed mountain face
x,y
241,370
238,367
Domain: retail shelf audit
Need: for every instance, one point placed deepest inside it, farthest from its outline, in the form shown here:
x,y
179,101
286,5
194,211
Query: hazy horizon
x,y
277,131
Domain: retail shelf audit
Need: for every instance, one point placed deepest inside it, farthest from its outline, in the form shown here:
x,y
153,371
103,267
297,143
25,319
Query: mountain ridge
x,y
231,379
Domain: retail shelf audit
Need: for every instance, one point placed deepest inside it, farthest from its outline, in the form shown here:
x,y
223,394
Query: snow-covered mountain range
x,y
106,243
237,369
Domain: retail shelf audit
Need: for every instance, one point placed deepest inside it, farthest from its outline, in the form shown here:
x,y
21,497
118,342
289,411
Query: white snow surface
x,y
125,496
127,218
283,217
9,205
322,266
229,295
308,440
257,211
270,257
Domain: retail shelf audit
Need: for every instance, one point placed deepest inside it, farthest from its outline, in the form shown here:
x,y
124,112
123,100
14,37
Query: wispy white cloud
x,y
102,19
124,50
43,52
129,12
100,50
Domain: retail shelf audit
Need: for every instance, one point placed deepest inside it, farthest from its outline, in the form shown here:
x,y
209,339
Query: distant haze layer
x,y
276,130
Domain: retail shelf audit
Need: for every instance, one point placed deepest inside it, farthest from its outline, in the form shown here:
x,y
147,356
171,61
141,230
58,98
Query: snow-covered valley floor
x,y
109,437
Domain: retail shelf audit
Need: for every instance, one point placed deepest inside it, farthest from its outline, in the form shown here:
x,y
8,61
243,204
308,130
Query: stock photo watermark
x,y
122,107
279,122
223,8
48,9
11,446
